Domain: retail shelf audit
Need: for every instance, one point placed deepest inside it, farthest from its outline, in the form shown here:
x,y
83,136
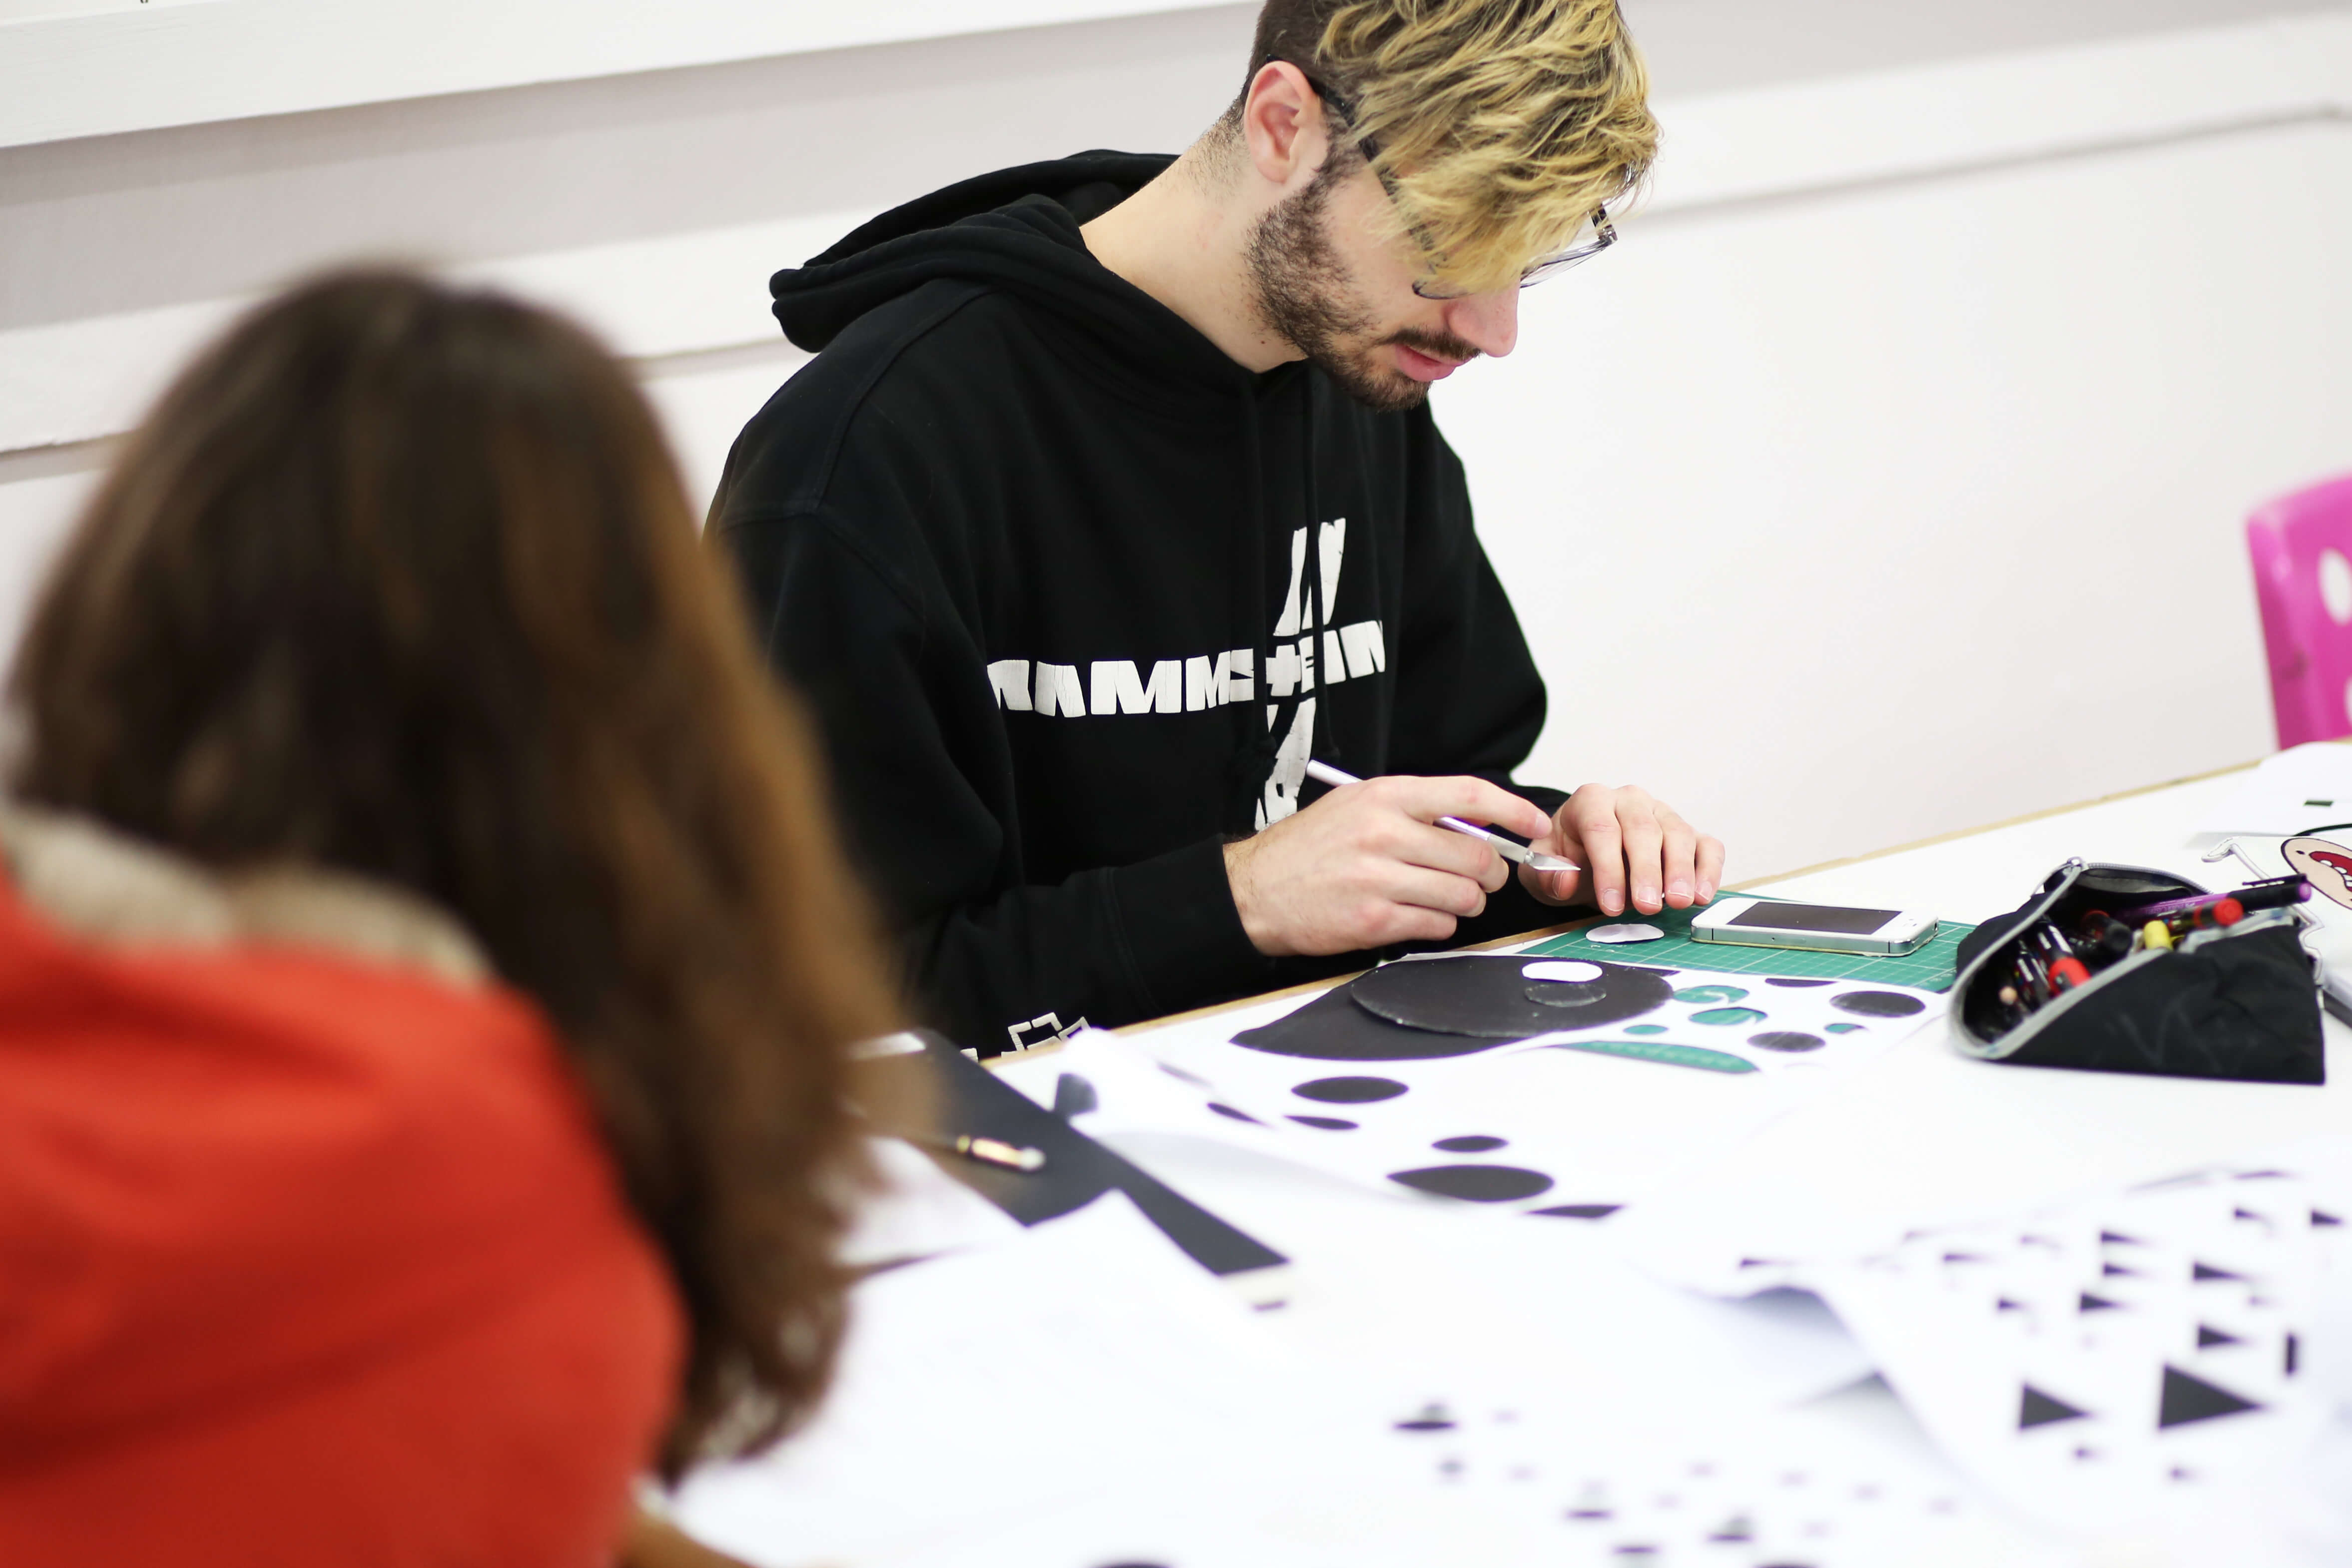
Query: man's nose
x,y
1490,323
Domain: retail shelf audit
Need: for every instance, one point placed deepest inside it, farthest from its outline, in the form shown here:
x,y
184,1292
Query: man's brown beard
x,y
1302,293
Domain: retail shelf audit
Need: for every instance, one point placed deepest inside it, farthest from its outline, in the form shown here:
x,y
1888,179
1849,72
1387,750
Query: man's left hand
x,y
1626,841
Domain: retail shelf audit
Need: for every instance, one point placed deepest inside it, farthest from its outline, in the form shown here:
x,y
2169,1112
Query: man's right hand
x,y
1365,867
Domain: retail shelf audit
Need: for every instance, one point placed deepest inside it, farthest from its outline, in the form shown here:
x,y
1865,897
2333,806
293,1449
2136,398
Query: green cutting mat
x,y
1930,968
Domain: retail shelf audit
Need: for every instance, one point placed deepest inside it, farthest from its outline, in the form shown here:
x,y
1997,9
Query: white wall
x,y
1848,520
1887,480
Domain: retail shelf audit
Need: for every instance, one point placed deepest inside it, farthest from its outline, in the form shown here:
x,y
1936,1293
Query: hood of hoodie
x,y
1015,229
1018,230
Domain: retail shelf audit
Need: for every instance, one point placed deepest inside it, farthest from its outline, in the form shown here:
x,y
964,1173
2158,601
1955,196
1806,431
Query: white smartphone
x,y
1824,927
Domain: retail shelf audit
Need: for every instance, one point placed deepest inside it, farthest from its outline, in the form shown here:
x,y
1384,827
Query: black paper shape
x,y
1476,1183
1878,1004
967,1098
1488,998
2188,1399
1349,1091
2039,1409
1332,1027
1073,1096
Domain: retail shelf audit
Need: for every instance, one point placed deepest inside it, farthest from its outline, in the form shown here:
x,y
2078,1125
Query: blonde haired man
x,y
1112,498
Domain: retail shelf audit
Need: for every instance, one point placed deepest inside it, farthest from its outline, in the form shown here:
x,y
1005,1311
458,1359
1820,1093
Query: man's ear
x,y
1284,127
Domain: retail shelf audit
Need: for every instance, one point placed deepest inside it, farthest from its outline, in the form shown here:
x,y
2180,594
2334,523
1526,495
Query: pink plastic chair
x,y
2302,549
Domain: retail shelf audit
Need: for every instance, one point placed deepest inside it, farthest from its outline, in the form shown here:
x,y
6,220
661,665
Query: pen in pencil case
x,y
1324,773
2277,893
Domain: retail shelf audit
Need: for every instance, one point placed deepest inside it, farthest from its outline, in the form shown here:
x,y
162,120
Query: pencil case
x,y
2239,1004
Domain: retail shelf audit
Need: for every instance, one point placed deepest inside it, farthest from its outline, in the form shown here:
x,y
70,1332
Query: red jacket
x,y
307,1259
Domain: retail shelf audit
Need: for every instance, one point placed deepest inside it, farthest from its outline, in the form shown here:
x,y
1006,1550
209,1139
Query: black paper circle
x,y
1785,1039
1332,1027
1475,1183
1349,1091
1486,998
1565,993
1878,1004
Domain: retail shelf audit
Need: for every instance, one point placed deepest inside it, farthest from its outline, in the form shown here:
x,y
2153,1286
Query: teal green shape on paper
x,y
1660,1029
1842,1028
1725,1016
1660,1051
1930,968
1714,996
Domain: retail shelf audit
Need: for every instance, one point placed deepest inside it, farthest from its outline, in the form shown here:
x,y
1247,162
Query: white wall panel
x,y
654,206
704,401
1887,480
137,68
1849,521
39,496
1709,46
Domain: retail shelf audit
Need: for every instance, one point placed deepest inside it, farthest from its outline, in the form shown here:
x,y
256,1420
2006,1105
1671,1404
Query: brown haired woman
x,y
424,970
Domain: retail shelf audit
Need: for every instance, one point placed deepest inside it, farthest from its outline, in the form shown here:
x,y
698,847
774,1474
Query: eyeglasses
x,y
1597,234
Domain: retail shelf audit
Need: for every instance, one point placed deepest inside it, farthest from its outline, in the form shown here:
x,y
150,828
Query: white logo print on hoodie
x,y
1113,687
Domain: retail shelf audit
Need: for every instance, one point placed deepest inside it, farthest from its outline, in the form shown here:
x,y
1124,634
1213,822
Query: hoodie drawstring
x,y
1254,753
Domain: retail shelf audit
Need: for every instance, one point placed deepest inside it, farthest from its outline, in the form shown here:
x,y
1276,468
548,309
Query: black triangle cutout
x,y
2038,1409
2319,1218
2206,1338
2118,1238
2091,1303
2188,1399
2207,1272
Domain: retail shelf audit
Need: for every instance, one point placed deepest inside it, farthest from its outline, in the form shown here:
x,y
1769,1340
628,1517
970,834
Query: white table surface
x,y
1393,1301
1937,1129
1918,1133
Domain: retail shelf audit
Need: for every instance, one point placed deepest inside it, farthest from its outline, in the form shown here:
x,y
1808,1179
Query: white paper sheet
x,y
1407,1297
2300,788
919,1211
1083,1394
2126,1355
1845,1483
1540,1126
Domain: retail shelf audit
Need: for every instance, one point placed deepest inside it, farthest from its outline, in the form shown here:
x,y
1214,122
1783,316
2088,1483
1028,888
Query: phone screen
x,y
1813,918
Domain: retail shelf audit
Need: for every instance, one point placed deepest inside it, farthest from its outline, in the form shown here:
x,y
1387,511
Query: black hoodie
x,y
1073,593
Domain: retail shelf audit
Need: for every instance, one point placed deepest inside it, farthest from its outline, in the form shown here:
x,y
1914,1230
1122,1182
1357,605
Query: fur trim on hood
x,y
121,892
